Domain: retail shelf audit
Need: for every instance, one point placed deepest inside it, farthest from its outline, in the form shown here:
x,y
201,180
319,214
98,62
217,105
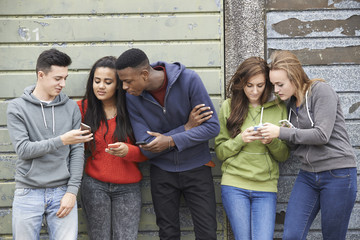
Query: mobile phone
x,y
83,126
286,123
257,127
141,143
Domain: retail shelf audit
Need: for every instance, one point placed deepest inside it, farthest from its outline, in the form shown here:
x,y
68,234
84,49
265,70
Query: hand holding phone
x,y
83,127
257,127
141,143
286,123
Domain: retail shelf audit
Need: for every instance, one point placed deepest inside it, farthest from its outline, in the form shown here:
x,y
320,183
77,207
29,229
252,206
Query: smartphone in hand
x,y
141,143
83,127
286,123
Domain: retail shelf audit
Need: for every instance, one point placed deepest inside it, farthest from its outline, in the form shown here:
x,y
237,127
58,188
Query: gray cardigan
x,y
320,139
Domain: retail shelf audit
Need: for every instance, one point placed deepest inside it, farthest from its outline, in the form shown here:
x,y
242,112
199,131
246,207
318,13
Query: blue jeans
x,y
332,193
29,207
112,210
251,213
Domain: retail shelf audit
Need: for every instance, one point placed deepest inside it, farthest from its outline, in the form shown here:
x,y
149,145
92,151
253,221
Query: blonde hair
x,y
287,61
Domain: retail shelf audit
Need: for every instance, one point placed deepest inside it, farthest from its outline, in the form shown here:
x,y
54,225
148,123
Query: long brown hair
x,y
287,61
239,102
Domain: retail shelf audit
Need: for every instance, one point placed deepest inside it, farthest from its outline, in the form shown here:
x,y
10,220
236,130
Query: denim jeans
x,y
197,187
29,207
251,213
112,210
332,193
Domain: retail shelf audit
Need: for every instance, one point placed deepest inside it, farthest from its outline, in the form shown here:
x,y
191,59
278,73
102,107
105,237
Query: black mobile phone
x,y
141,143
83,127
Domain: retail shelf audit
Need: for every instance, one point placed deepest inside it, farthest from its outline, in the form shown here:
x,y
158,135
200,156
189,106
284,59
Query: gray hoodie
x,y
320,137
35,128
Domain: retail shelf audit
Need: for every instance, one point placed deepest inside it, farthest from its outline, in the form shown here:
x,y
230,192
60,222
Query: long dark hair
x,y
235,89
95,113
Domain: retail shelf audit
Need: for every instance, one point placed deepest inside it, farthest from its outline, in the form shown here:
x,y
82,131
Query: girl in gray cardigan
x,y
327,178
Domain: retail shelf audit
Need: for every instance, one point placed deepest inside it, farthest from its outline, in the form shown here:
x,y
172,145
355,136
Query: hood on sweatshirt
x,y
59,100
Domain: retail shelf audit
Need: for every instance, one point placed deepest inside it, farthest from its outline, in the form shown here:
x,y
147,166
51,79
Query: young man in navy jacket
x,y
171,111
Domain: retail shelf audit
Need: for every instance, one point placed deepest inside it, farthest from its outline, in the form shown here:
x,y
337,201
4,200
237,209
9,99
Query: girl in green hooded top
x,y
250,168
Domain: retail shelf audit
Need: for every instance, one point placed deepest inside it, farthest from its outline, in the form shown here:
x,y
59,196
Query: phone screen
x,y
83,126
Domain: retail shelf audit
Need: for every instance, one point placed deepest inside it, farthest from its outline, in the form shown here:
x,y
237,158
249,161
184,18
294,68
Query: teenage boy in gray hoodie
x,y
44,127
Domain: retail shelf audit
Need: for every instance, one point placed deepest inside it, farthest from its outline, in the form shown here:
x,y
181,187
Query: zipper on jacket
x,y
157,104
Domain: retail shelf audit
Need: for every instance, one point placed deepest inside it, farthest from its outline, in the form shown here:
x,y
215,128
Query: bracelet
x,y
169,142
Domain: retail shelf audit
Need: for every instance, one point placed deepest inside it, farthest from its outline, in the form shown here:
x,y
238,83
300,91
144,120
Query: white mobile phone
x,y
286,123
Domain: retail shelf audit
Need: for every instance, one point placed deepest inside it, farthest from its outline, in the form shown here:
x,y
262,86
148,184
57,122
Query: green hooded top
x,y
253,166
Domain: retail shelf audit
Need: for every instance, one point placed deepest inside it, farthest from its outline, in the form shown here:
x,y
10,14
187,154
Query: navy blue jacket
x,y
185,90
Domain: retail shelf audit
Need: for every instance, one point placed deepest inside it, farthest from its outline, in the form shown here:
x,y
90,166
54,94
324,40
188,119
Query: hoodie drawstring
x,y
43,113
307,110
53,117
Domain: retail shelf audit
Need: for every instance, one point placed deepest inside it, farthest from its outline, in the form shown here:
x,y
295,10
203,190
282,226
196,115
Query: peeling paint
x,y
23,32
296,28
191,26
316,4
330,55
44,24
354,107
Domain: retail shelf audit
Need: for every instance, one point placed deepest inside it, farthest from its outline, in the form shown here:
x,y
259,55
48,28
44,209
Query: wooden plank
x,y
313,4
208,54
7,193
5,142
323,56
110,28
343,78
7,167
350,104
3,107
40,7
342,23
14,83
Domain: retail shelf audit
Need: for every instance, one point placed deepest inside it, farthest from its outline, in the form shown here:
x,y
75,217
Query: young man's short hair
x,y
133,58
52,57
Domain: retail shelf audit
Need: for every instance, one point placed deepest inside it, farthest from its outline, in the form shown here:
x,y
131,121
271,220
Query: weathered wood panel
x,y
7,167
81,29
23,57
344,23
55,7
328,51
343,78
5,142
313,4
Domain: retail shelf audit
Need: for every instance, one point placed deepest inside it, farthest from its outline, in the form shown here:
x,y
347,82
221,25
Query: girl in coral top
x,y
110,189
